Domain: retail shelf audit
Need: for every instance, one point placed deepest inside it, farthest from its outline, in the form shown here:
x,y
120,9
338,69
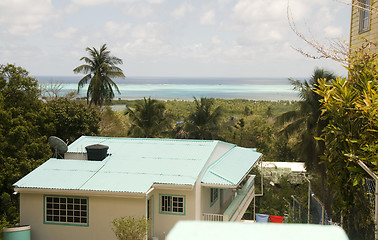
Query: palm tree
x,y
100,67
148,119
203,123
307,119
306,123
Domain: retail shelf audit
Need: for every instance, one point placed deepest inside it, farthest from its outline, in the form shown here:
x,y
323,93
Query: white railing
x,y
212,217
237,207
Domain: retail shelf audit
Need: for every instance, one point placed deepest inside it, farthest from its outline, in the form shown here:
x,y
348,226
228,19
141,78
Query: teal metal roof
x,y
203,230
133,165
232,167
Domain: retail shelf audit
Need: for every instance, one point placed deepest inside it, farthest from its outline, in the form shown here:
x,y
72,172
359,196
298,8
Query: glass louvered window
x,y
364,16
66,210
172,204
213,195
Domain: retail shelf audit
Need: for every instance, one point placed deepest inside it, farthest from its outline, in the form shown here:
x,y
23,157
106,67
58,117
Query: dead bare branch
x,y
336,49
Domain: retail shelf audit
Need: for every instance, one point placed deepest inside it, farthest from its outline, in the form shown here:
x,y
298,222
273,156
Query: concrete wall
x,y
75,156
102,211
207,207
164,222
355,36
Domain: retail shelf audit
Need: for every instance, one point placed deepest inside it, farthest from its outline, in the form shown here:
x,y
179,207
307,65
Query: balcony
x,y
238,205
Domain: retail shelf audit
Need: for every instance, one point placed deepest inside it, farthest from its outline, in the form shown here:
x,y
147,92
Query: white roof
x,y
294,166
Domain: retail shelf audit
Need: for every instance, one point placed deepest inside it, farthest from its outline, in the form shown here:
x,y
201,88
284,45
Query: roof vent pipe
x,y
97,152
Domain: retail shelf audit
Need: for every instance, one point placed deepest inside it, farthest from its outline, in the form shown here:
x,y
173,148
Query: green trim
x,y
153,212
68,224
172,213
211,196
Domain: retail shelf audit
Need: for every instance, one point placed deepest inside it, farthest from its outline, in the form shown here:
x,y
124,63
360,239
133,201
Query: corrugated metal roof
x,y
136,164
232,167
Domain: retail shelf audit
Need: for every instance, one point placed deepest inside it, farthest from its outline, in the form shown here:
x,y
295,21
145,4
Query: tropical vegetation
x,y
350,106
339,113
131,228
148,119
100,69
306,124
203,121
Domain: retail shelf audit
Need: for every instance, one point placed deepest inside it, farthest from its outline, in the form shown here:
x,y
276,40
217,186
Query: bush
x,y
130,228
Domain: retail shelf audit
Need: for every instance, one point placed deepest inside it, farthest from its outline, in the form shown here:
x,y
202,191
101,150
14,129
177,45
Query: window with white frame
x,y
364,23
213,195
66,210
172,204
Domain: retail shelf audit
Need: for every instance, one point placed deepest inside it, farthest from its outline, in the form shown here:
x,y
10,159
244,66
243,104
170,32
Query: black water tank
x,y
97,152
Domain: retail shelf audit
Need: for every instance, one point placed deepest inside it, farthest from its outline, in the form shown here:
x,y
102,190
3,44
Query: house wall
x,y
225,197
102,211
372,35
164,222
75,156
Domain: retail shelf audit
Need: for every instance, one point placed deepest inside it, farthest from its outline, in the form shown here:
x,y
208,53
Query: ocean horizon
x,y
184,88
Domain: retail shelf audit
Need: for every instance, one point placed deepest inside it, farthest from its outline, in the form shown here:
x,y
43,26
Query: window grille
x,y
172,204
66,210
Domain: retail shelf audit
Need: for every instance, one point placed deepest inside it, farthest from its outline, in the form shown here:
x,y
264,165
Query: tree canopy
x,y
149,118
100,69
72,119
351,107
203,122
25,123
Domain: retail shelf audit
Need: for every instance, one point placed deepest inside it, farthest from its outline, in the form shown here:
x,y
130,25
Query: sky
x,y
171,38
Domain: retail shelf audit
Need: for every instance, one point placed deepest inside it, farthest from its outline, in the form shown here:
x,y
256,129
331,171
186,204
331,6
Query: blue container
x,y
16,233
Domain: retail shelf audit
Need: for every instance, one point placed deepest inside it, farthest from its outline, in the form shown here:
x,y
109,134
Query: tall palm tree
x,y
148,119
306,123
100,67
203,123
306,120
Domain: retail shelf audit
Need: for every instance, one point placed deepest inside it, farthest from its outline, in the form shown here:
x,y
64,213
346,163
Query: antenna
x,y
59,146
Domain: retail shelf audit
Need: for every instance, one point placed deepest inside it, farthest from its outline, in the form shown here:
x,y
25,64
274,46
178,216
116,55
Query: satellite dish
x,y
59,146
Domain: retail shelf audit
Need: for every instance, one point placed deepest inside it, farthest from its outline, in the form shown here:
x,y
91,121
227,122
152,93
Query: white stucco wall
x,y
164,222
76,156
102,210
206,205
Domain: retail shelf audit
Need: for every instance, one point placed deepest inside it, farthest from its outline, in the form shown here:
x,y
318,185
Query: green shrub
x,y
130,228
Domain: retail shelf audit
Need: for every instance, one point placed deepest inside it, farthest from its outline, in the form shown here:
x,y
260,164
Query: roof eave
x,y
79,192
173,186
213,185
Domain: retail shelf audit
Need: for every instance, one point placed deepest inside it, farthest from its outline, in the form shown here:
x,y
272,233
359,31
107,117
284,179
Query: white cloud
x,y
147,31
138,10
215,40
25,17
66,34
182,10
333,32
247,11
208,18
156,1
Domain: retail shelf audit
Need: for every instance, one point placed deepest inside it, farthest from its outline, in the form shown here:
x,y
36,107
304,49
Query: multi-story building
x,y
364,23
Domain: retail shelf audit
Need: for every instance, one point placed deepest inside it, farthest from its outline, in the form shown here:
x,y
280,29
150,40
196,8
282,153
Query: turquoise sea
x,y
170,88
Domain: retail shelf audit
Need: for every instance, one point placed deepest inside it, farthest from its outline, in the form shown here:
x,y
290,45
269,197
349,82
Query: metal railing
x,y
237,207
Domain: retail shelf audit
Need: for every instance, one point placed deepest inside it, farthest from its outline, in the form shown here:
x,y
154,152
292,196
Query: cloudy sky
x,y
178,38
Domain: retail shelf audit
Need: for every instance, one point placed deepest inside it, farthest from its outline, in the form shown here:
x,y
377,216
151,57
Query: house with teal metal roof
x,y
165,180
